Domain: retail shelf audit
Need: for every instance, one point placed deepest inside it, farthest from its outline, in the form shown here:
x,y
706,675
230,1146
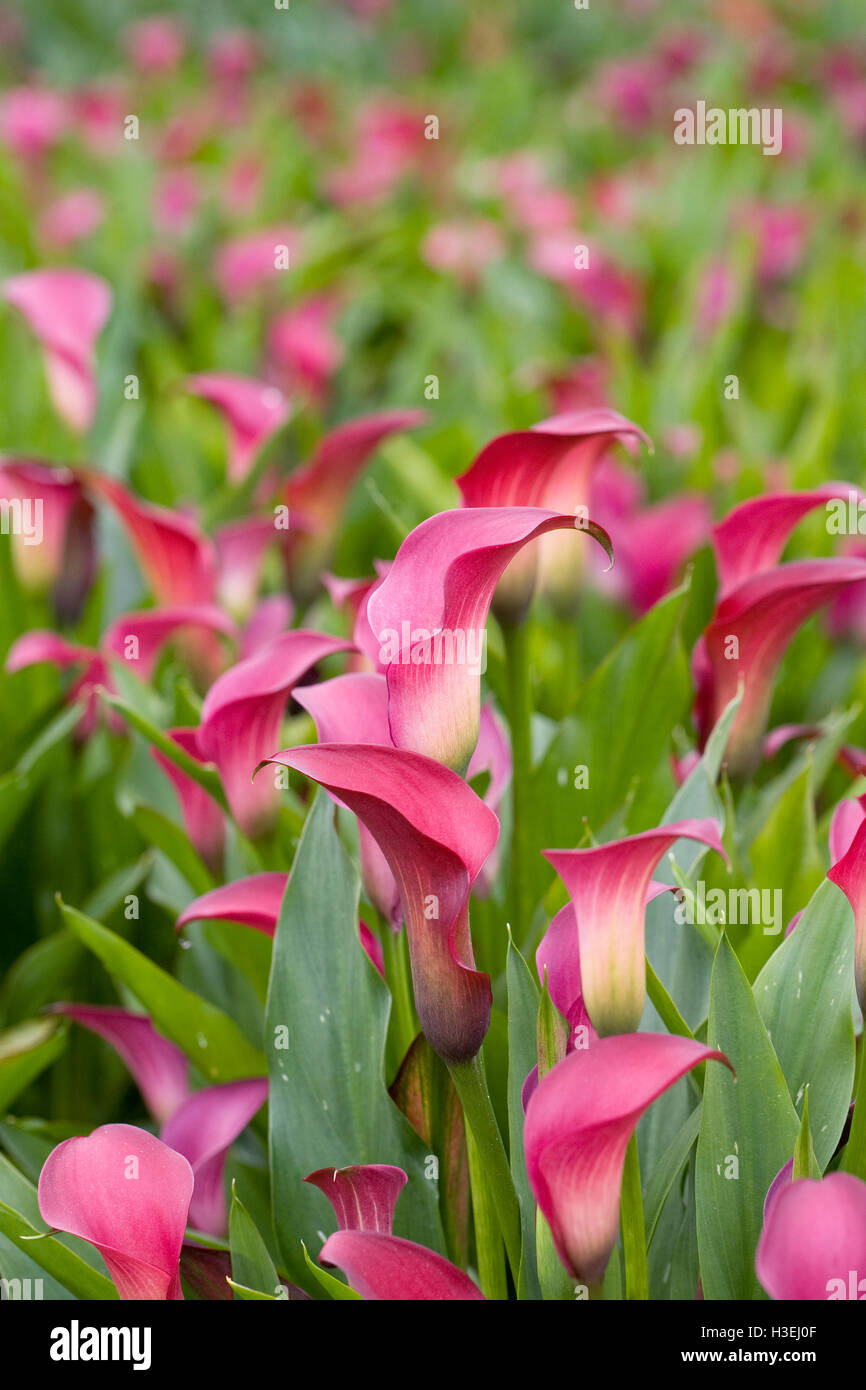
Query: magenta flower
x,y
846,821
304,350
387,1268
552,465
67,310
255,902
849,874
608,886
54,546
203,820
242,714
128,1194
579,1121
241,547
429,616
38,646
317,492
377,1264
253,412
138,638
203,1129
251,902
176,558
269,619
159,1068
247,263
354,709
753,535
363,1196
71,218
813,1245
747,638
32,119
435,834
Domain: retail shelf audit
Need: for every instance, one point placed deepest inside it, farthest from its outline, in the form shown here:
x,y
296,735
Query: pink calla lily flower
x,y
387,1268
253,411
847,818
138,638
363,1196
247,263
67,310
128,1194
813,1245
377,1264
849,874
552,466
435,834
608,885
202,817
579,1121
160,1069
242,714
753,535
251,902
176,558
746,639
270,619
429,616
354,709
255,902
60,553
317,492
39,646
304,349
241,547
203,1129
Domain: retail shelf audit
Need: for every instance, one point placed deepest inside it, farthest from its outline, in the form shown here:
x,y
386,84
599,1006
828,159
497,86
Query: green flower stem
x,y
520,714
404,1020
633,1229
471,1087
854,1160
489,1249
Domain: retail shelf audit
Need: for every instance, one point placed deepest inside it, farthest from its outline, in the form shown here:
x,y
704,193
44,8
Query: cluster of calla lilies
x,y
402,734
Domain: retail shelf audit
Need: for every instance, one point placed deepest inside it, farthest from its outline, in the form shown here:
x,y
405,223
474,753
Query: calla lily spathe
x,y
435,834
128,1194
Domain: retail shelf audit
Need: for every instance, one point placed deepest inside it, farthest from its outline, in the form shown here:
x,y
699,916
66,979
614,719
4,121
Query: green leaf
x,y
204,774
327,1018
253,1295
25,1051
748,1132
621,733
252,1266
211,1040
332,1286
785,859
72,1262
156,829
805,1162
667,1170
804,993
18,787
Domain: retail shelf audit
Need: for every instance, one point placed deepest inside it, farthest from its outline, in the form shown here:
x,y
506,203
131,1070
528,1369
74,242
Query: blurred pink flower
x,y
248,263
71,218
32,119
155,45
463,248
304,350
